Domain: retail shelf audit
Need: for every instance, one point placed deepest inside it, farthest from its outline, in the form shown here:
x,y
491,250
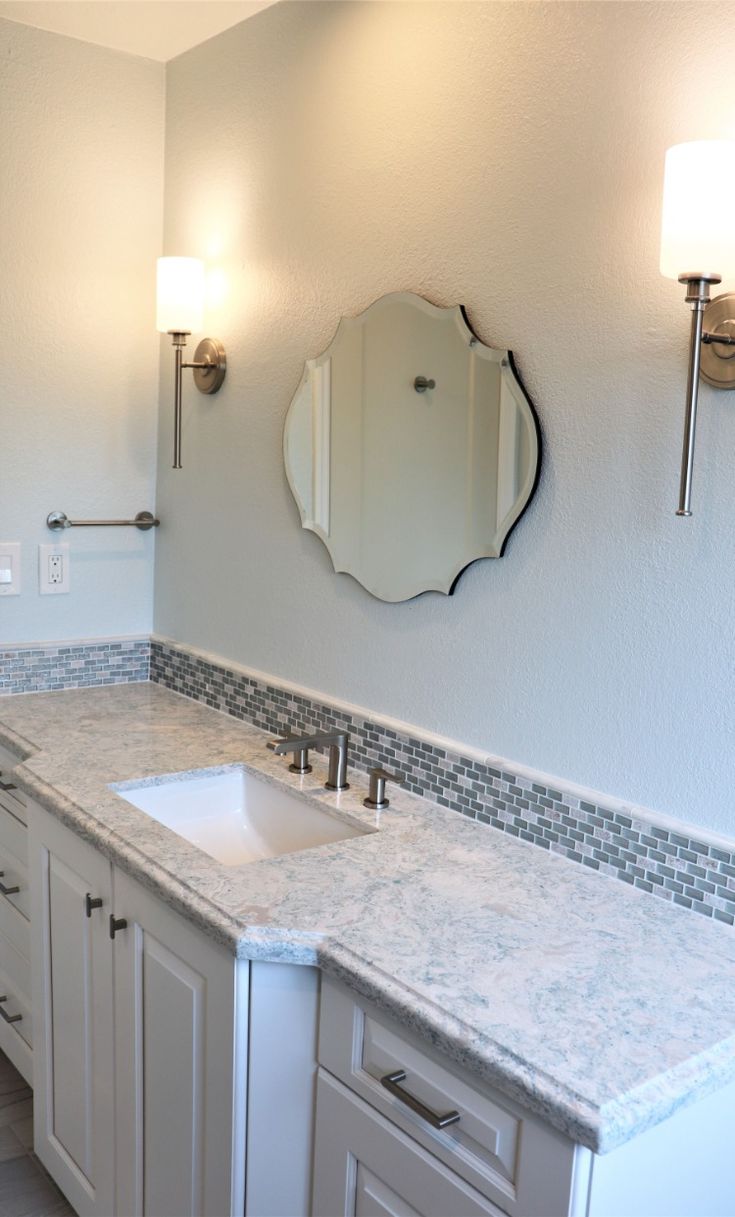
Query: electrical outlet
x,y
53,569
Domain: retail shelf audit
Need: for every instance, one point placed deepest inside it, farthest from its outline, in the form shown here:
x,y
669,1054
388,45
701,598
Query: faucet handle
x,y
376,799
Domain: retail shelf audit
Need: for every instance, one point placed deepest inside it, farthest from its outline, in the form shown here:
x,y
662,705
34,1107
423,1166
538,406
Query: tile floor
x,y
25,1188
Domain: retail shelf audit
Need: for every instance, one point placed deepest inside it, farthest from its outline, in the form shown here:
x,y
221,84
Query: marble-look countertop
x,y
593,1005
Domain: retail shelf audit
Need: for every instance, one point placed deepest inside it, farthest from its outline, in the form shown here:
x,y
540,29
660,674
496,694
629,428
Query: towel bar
x,y
144,520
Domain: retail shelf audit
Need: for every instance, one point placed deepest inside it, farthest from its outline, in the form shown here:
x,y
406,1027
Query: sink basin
x,y
235,817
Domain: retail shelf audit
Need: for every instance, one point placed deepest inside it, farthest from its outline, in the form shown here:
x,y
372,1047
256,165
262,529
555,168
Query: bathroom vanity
x,y
421,1017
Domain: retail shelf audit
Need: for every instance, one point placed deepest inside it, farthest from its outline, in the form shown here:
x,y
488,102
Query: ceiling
x,y
156,29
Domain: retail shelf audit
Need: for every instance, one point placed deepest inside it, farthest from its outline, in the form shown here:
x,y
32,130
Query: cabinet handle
x,y
117,923
92,902
7,786
9,1018
7,891
391,1083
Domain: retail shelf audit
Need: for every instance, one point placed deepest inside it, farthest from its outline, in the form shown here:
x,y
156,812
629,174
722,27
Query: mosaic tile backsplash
x,y
667,864
73,665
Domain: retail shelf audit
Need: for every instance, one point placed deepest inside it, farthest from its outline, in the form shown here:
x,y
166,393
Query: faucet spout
x,y
290,743
336,741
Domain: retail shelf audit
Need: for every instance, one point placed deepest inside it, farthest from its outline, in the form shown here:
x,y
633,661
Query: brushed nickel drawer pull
x,y
9,1018
391,1082
7,891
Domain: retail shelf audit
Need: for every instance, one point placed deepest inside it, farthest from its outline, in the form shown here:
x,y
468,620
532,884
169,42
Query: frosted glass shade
x,y
179,295
697,228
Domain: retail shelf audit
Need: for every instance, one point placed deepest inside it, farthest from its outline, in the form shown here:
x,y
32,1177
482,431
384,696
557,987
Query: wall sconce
x,y
179,312
697,231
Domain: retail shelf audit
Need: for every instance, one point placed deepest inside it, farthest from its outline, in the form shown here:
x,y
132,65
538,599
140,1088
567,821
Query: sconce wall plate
x,y
210,365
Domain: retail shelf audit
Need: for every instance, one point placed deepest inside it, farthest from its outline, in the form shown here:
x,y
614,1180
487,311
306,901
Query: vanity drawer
x,y
14,874
15,965
16,1036
13,806
12,800
16,1003
15,929
13,834
498,1148
364,1164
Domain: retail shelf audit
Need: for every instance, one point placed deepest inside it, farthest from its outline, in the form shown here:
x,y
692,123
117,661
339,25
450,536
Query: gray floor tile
x,y
10,1147
23,1130
26,1191
15,1112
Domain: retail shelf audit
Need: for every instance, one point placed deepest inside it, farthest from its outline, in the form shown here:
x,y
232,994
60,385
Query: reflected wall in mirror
x,y
411,448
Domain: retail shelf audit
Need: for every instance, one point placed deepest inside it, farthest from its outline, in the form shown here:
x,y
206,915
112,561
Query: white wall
x,y
508,156
81,165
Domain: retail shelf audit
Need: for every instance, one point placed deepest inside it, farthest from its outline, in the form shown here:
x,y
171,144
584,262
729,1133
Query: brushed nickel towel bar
x,y
144,520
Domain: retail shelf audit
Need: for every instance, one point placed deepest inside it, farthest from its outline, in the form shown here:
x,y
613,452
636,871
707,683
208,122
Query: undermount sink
x,y
235,817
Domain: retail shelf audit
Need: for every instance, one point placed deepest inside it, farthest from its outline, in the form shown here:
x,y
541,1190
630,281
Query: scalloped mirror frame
x,y
307,453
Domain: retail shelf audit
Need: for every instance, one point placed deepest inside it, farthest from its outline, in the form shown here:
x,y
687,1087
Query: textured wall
x,y
81,164
508,156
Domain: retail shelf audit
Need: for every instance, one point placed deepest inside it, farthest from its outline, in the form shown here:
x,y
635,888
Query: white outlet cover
x,y
45,554
10,562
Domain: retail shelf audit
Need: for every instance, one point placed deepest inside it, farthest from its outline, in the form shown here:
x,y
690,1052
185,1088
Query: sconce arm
x,y
726,339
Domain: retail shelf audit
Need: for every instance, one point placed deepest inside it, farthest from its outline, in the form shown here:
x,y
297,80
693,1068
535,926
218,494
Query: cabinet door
x,y
181,1005
73,1014
366,1167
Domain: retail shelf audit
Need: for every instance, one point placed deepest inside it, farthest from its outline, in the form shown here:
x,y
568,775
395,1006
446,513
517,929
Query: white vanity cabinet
x,y
141,1043
16,1023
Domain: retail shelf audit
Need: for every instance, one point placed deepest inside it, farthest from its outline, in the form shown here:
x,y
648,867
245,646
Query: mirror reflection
x,y
411,448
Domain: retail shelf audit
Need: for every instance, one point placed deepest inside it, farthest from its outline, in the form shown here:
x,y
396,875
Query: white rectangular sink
x,y
236,817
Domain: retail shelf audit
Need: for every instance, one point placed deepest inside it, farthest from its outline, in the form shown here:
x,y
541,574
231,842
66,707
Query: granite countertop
x,y
591,1004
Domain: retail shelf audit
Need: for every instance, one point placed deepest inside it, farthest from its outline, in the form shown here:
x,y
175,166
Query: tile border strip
x,y
659,855
48,666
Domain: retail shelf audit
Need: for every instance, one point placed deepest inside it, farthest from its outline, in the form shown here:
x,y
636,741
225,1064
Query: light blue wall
x,y
80,228
507,156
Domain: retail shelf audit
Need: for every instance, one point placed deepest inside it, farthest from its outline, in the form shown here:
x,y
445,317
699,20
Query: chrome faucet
x,y
336,741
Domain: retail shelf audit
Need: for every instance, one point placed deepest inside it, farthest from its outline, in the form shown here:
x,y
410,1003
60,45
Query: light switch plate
x,y
53,569
10,561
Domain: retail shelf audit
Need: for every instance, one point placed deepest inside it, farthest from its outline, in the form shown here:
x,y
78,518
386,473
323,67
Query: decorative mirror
x,y
411,448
